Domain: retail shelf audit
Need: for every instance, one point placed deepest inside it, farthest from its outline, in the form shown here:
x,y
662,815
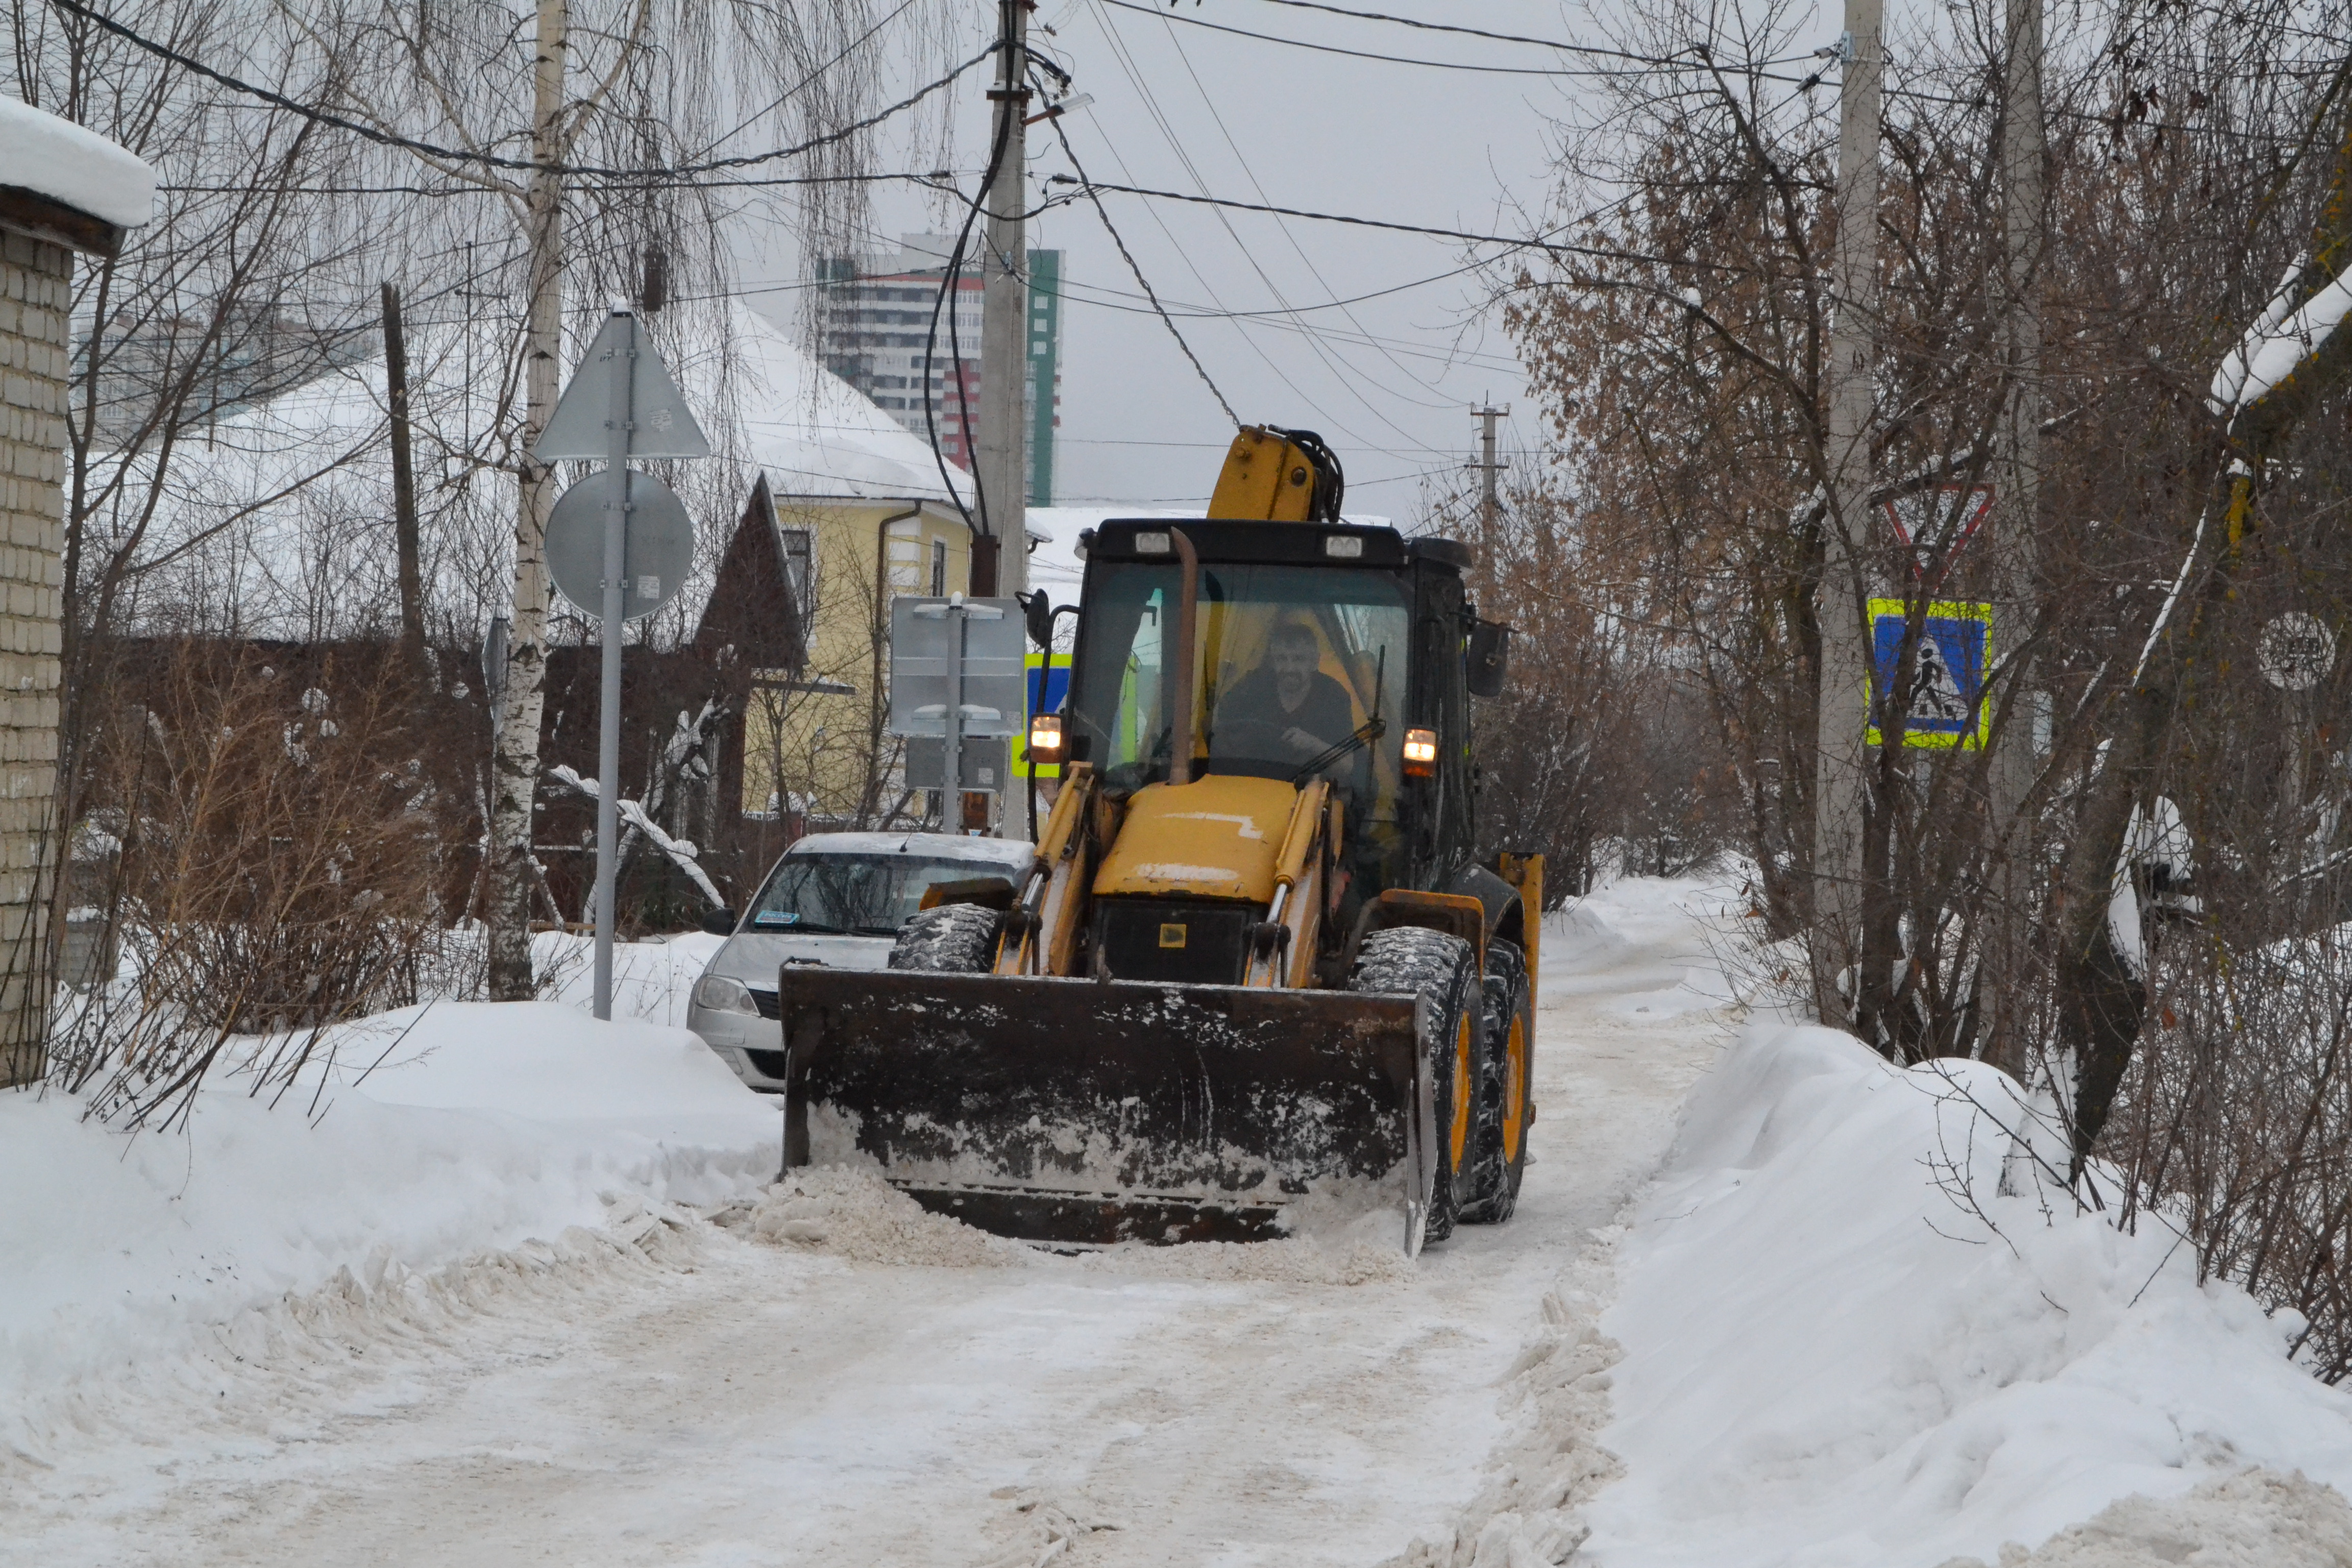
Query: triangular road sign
x,y
1943,519
663,426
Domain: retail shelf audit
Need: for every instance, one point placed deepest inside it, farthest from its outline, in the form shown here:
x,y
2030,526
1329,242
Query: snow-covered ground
x,y
1804,1328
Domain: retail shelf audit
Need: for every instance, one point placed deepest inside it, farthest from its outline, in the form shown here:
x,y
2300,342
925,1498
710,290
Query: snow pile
x,y
60,159
424,1136
1843,1345
2257,1519
856,1215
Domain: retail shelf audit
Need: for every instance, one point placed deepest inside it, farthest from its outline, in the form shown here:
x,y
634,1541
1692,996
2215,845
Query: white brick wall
x,y
35,282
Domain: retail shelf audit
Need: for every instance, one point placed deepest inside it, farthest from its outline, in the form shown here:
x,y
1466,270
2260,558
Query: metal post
x,y
1004,320
608,733
1838,867
951,725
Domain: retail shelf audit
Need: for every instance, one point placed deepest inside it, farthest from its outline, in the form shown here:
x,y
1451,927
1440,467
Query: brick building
x,y
62,190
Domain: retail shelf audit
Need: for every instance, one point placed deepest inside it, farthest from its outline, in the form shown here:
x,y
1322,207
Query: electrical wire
x,y
1141,281
1356,53
1150,101
493,160
1521,242
1353,378
1475,32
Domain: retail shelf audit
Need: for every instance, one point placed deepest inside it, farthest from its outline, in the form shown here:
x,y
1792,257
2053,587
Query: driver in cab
x,y
1286,701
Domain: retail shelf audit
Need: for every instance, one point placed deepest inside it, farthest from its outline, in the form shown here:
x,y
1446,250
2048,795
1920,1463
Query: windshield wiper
x,y
1372,731
875,931
799,928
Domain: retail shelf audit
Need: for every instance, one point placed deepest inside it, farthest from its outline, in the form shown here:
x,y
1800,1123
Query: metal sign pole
x,y
608,729
951,774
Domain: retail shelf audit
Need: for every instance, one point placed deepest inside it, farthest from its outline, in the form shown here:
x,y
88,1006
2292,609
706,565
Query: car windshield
x,y
1300,672
852,895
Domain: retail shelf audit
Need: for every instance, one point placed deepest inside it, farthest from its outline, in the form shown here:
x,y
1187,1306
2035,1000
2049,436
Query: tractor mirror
x,y
1038,611
1488,658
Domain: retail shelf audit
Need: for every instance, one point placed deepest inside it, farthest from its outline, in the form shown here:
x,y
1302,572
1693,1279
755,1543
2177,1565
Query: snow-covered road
x,y
779,1405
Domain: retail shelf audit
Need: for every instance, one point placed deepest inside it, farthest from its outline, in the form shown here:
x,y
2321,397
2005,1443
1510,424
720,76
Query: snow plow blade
x,y
1098,1112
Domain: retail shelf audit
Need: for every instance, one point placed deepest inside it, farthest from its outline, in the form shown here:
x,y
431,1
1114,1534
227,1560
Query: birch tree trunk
x,y
515,763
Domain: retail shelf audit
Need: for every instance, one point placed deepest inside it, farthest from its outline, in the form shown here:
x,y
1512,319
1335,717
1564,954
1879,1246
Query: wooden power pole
x,y
1840,789
2016,541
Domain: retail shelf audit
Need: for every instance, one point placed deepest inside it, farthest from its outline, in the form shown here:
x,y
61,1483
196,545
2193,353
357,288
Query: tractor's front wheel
x,y
1416,962
948,938
1506,1100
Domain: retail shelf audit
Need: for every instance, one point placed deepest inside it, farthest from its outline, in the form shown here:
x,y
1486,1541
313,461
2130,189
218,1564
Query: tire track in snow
x,y
779,1406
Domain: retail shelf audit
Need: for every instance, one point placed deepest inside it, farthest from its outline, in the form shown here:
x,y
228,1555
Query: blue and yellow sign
x,y
1946,706
1056,680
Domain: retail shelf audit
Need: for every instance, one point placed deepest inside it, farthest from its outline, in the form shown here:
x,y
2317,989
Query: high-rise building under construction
x,y
875,330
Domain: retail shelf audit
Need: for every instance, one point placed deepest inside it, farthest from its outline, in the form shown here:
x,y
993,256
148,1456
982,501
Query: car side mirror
x,y
719,922
1489,657
1038,611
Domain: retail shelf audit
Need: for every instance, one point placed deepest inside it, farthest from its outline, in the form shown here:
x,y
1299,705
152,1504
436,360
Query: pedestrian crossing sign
x,y
1945,707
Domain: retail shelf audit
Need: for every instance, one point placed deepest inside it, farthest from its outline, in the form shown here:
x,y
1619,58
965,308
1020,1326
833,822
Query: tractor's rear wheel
x,y
1416,962
948,938
1506,1100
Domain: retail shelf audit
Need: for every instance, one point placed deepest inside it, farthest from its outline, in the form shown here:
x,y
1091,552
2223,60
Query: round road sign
x,y
659,553
2296,651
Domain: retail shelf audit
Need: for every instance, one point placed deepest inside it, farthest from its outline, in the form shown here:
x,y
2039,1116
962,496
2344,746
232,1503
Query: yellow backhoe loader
x,y
1258,965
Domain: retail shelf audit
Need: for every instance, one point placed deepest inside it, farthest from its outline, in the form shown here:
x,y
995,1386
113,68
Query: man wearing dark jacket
x,y
1286,708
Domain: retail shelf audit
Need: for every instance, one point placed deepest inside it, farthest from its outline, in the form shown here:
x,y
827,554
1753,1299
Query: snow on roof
x,y
815,435
1055,561
281,512
925,845
2282,336
77,168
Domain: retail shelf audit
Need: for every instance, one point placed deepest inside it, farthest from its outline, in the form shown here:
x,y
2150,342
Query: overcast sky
x,y
1387,381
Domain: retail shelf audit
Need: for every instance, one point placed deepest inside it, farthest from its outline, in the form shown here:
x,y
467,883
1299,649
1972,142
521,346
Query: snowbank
x,y
60,159
1842,1346
483,1126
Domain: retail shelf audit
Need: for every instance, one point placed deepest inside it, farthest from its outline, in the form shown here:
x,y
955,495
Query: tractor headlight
x,y
1046,736
720,995
1420,753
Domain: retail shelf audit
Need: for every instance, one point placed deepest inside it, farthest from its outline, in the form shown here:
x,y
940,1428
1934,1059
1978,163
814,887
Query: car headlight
x,y
720,995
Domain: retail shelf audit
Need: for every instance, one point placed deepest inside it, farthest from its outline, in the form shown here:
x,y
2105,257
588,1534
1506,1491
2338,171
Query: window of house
x,y
800,570
939,567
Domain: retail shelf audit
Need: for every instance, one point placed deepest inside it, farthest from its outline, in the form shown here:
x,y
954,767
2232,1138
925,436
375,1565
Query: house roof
x,y
56,161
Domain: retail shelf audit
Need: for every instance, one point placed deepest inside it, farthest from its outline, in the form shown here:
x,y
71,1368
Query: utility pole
x,y
2016,541
1840,785
1488,505
514,766
403,488
1004,326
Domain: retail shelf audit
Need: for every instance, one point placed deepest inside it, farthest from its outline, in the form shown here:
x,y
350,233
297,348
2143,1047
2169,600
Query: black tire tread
x,y
1414,961
948,938
1494,1181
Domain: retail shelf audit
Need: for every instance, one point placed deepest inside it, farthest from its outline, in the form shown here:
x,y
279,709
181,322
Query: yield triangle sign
x,y
660,423
1939,522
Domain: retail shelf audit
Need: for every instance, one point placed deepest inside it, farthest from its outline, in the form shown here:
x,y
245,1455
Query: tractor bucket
x,y
1092,1112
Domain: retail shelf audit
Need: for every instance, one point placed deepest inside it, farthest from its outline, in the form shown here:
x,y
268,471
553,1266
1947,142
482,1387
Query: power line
x,y
1520,242
1359,54
493,160
1177,144
1348,374
1473,32
1141,281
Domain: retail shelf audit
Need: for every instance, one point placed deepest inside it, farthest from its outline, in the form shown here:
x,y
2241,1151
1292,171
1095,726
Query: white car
x,y
836,899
